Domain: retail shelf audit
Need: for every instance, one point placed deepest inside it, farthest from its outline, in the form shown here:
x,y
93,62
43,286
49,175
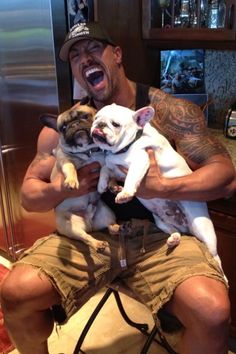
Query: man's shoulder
x,y
47,140
156,96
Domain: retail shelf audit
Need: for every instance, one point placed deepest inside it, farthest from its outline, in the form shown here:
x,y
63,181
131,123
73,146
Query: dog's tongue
x,y
99,135
98,132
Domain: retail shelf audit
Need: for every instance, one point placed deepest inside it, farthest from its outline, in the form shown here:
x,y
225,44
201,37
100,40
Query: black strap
x,y
142,97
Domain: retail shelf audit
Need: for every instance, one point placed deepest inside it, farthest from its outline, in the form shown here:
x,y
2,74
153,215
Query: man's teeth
x,y
91,71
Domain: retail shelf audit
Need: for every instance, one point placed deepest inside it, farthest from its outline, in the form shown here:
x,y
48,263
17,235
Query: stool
x,y
154,335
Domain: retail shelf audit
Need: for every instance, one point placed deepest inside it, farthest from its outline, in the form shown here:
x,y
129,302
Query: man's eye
x,y
94,47
116,125
74,57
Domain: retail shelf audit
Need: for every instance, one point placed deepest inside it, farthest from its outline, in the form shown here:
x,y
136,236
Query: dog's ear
x,y
49,120
143,115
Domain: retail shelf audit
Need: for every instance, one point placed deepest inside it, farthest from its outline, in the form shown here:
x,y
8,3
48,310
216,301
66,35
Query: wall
x,y
123,21
220,80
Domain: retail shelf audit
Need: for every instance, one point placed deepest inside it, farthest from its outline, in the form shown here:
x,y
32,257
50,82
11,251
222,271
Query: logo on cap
x,y
79,30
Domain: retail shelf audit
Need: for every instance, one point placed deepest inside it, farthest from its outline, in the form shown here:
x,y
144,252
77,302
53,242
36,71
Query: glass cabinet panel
x,y
197,19
188,13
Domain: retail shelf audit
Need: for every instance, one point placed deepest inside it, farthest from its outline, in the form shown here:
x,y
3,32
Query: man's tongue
x,y
96,79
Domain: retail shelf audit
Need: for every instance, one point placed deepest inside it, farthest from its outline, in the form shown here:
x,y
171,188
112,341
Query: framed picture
x,y
182,71
80,11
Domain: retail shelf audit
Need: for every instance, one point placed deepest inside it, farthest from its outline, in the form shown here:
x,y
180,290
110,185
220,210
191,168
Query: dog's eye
x,y
116,125
63,128
84,116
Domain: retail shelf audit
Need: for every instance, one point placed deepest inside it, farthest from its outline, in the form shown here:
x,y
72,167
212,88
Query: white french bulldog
x,y
125,135
75,217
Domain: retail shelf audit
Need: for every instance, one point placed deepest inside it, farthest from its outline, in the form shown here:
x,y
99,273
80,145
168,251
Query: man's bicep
x,y
42,164
41,167
201,149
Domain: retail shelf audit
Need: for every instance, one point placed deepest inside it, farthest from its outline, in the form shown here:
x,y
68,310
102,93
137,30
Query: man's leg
x,y
26,296
202,306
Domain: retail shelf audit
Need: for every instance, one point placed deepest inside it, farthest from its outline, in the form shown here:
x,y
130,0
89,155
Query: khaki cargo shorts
x,y
78,272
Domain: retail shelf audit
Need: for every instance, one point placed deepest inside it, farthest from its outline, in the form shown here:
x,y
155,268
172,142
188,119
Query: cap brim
x,y
64,51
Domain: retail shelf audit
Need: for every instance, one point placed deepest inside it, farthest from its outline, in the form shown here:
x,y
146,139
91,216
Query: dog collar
x,y
87,152
137,136
90,151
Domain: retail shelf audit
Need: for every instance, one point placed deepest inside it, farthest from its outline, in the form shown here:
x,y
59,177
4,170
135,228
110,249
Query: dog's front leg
x,y
70,173
135,174
103,179
68,169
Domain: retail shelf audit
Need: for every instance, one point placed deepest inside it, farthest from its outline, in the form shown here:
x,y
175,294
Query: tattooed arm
x,y
37,192
184,125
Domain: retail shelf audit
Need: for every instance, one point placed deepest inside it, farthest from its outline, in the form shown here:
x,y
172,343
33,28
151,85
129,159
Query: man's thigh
x,y
155,275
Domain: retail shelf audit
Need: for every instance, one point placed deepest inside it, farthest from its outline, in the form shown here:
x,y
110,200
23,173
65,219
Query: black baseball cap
x,y
89,30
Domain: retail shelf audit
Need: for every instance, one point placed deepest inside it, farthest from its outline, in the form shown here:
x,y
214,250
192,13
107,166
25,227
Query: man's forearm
x,y
205,184
215,180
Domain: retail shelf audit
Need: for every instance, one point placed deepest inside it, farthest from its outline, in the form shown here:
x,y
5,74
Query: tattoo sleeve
x,y
200,149
183,123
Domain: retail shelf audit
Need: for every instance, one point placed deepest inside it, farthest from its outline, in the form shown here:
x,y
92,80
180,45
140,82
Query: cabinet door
x,y
189,20
226,244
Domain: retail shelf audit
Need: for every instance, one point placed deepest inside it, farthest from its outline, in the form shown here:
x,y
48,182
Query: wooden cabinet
x,y
190,23
223,214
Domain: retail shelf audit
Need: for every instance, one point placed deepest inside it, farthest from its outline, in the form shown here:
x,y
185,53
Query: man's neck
x,y
125,97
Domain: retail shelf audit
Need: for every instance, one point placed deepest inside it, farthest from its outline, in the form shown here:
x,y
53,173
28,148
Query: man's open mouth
x,y
94,76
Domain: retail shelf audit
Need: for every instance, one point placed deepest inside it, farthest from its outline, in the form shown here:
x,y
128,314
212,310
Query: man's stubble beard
x,y
106,96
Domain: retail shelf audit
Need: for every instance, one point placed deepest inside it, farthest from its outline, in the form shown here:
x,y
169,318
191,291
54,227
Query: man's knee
x,y
25,289
13,291
216,313
201,302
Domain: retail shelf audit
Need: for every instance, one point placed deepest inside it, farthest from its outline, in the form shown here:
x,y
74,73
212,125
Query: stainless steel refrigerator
x,y
33,81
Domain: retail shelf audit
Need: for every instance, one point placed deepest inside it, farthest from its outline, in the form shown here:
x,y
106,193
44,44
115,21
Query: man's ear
x,y
143,115
118,55
49,120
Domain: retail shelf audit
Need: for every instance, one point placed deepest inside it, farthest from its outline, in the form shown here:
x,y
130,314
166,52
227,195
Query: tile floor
x,y
109,333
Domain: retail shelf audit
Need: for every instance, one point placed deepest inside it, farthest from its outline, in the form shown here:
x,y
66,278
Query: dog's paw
x,y
101,246
174,239
114,229
71,183
115,189
123,197
102,186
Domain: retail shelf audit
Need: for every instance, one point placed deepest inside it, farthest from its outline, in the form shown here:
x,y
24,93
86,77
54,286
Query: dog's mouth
x,y
82,138
94,76
98,135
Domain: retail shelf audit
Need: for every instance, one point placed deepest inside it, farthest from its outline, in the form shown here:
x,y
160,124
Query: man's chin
x,y
99,92
100,96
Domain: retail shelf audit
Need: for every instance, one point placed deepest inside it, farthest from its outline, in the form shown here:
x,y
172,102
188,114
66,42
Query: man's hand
x,y
88,176
153,185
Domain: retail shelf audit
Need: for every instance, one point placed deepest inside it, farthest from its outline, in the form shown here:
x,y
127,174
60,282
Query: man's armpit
x,y
200,149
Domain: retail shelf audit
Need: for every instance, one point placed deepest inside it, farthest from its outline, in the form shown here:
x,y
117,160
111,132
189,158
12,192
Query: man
x,y
61,271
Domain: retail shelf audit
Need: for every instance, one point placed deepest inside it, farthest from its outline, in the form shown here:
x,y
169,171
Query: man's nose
x,y
86,57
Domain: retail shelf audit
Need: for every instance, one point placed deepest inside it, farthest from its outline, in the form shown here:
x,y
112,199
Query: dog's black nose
x,y
101,125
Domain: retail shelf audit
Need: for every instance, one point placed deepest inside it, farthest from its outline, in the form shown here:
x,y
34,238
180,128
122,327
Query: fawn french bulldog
x,y
125,135
76,217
